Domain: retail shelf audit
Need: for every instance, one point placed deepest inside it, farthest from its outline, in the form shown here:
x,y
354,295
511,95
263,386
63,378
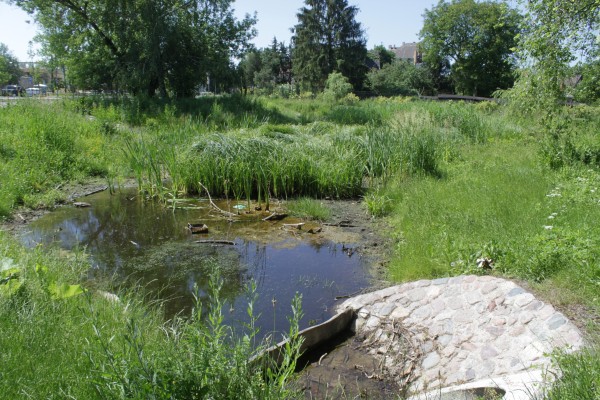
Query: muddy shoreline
x,y
349,223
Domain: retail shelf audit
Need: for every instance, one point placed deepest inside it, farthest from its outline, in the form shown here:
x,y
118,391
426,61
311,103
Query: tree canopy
x,y
9,66
268,67
328,39
381,56
476,39
401,78
556,34
145,46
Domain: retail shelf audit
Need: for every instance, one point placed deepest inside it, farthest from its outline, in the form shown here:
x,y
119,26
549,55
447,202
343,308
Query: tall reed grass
x,y
314,160
363,146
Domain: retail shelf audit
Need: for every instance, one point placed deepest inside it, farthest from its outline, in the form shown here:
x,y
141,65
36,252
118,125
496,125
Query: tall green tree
x,y
145,46
476,39
556,34
328,39
9,66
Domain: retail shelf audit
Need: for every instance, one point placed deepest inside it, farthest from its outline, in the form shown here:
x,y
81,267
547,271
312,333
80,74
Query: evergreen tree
x,y
328,39
265,68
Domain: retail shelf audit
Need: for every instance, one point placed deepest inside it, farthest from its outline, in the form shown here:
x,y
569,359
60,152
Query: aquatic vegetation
x,y
308,208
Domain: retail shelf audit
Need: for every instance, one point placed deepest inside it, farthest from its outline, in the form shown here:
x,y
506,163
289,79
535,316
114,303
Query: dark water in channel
x,y
140,242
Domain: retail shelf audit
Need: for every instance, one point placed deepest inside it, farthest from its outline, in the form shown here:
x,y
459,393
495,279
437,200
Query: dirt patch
x,y
344,369
350,217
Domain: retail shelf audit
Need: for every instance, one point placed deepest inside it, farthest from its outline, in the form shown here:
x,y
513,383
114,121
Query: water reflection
x,y
142,243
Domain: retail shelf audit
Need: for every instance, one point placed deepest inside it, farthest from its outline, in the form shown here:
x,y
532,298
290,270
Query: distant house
x,y
42,74
408,52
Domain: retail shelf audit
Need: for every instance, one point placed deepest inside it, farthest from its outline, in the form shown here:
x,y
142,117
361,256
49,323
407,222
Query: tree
x,y
401,78
588,89
381,56
9,66
476,39
557,34
145,46
268,67
328,39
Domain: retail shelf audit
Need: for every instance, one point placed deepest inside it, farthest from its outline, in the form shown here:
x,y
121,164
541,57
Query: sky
x,y
387,22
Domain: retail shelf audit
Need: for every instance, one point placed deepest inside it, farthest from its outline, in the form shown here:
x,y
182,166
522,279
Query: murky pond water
x,y
140,242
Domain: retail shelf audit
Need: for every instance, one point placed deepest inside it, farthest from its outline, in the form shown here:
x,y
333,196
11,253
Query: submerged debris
x,y
197,228
275,217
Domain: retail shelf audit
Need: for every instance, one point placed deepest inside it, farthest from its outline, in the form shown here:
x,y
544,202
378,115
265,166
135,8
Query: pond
x,y
136,242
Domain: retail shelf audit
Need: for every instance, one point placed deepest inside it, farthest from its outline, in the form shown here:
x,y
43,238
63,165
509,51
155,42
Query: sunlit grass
x,y
490,198
44,145
308,208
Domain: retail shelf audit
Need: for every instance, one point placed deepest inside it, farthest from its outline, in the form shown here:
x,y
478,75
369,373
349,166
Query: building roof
x,y
406,51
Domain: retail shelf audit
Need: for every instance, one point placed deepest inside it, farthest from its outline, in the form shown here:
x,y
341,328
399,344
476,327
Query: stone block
x,y
431,360
556,321
421,313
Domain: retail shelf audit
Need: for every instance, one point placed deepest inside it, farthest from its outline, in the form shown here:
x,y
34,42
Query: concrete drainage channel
x,y
454,338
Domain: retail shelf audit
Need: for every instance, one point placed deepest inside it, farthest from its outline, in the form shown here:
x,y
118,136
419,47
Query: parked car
x,y
43,88
12,90
32,91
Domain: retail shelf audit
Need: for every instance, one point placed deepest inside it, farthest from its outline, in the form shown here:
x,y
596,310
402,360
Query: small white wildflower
x,y
551,216
548,227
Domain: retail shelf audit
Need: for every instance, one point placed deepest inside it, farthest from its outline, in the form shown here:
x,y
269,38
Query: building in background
x,y
36,73
408,52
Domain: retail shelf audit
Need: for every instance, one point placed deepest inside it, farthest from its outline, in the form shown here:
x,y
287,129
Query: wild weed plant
x,y
41,148
83,345
579,376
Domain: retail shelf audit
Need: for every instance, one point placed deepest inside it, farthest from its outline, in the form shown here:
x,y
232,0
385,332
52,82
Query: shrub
x,y
337,87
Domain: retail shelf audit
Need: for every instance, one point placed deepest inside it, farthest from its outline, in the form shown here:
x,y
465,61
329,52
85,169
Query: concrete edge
x,y
313,336
521,386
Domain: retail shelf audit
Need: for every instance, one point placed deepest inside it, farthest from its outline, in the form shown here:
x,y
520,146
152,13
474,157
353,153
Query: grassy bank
x,y
62,340
454,182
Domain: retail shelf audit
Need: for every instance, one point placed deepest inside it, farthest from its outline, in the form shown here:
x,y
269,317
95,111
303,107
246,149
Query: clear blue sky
x,y
386,22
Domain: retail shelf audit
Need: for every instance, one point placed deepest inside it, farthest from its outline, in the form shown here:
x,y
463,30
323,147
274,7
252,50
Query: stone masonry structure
x,y
464,332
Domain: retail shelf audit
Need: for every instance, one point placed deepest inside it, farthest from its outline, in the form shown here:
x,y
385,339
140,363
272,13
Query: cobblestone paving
x,y
464,329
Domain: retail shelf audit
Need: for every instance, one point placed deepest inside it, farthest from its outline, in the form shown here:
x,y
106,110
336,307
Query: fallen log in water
x,y
297,226
216,241
227,213
275,217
